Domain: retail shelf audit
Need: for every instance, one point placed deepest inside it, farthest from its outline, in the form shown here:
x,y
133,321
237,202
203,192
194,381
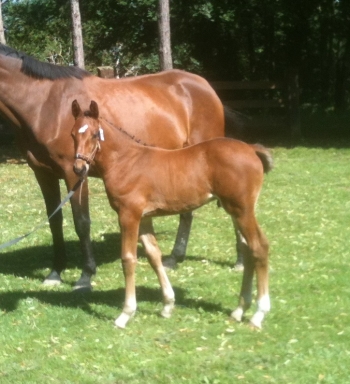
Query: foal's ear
x,y
94,110
76,111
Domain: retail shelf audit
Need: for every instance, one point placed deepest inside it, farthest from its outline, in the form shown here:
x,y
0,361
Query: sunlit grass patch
x,y
54,335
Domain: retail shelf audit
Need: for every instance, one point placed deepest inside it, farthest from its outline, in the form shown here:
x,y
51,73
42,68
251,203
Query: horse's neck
x,y
19,93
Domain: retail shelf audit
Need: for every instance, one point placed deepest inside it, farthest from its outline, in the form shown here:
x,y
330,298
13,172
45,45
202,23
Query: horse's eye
x,y
95,135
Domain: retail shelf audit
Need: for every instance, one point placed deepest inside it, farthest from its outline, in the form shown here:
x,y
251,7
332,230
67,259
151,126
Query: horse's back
x,y
170,109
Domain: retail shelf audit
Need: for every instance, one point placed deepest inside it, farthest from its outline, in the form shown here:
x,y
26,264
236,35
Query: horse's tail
x,y
234,123
265,156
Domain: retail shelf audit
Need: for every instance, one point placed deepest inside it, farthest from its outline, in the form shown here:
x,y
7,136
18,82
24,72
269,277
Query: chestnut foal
x,y
142,182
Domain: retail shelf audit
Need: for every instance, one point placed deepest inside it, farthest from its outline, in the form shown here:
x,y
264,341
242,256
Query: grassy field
x,y
52,335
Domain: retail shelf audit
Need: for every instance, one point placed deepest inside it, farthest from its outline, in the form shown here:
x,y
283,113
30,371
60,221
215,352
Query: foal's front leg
x,y
129,226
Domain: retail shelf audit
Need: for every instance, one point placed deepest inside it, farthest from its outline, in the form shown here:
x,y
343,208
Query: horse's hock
x,y
266,107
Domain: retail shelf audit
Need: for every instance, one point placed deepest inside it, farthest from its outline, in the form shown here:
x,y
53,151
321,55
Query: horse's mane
x,y
40,70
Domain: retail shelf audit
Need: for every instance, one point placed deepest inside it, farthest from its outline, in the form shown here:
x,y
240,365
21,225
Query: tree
x,y
218,39
78,50
165,58
2,31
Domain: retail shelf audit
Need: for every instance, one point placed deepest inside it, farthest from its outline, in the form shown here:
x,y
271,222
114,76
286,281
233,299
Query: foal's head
x,y
87,134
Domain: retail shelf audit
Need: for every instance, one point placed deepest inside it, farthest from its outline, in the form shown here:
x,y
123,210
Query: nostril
x,y
80,171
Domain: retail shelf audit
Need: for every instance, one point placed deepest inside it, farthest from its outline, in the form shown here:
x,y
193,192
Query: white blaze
x,y
83,128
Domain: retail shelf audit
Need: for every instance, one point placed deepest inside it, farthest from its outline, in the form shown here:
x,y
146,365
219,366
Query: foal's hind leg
x,y
239,261
255,248
154,256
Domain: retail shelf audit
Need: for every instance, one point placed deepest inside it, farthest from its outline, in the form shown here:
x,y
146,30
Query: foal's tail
x,y
265,156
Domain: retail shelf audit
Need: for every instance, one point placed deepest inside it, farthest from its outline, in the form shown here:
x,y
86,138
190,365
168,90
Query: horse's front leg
x,y
154,256
81,217
50,188
129,227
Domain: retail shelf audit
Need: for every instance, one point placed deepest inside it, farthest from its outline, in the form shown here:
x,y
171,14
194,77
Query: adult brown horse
x,y
143,182
170,110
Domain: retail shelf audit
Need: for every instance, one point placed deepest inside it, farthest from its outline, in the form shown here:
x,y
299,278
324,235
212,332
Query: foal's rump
x,y
238,154
236,169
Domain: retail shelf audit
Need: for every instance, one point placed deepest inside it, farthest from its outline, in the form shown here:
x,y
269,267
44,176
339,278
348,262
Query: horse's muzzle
x,y
80,168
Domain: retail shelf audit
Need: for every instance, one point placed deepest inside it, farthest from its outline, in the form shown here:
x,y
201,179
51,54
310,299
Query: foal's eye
x,y
95,135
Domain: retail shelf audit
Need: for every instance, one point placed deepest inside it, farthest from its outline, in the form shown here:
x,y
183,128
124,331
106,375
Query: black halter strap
x,y
90,158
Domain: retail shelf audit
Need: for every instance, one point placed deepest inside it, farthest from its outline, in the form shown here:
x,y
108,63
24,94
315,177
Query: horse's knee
x,y
129,262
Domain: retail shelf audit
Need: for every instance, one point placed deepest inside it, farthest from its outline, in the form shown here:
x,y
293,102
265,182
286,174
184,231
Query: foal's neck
x,y
121,138
118,140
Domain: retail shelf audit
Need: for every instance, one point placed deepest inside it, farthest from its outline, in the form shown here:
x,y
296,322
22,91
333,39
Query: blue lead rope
x,y
63,202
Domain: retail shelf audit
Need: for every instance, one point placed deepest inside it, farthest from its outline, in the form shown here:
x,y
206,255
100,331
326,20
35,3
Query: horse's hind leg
x,y
183,233
154,256
255,248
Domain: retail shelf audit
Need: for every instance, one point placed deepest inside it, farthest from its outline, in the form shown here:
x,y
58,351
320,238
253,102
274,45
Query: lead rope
x,y
80,190
63,202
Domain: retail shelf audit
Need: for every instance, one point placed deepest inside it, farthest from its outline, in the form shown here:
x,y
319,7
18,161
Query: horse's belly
x,y
175,206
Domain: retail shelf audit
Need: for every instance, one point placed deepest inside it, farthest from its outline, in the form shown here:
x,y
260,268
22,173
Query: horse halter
x,y
90,158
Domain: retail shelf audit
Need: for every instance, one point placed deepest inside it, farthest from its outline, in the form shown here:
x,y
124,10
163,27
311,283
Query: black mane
x,y
40,70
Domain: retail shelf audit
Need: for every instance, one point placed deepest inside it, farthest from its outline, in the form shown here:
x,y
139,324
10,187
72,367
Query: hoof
x,y
237,314
255,327
170,262
83,285
82,288
122,320
256,320
52,279
238,267
167,311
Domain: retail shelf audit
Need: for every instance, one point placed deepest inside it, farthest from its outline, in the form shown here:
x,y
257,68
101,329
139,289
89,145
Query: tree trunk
x,y
165,58
2,31
78,49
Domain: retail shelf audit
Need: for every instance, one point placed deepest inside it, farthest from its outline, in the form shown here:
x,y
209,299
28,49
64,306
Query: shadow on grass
x,y
9,301
28,261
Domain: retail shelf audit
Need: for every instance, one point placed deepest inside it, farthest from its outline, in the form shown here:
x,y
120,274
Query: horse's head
x,y
86,133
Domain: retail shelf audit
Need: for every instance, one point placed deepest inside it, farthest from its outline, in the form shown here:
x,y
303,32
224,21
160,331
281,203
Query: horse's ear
x,y
94,109
76,111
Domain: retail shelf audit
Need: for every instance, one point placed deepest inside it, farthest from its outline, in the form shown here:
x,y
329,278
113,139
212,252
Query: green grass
x,y
53,335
